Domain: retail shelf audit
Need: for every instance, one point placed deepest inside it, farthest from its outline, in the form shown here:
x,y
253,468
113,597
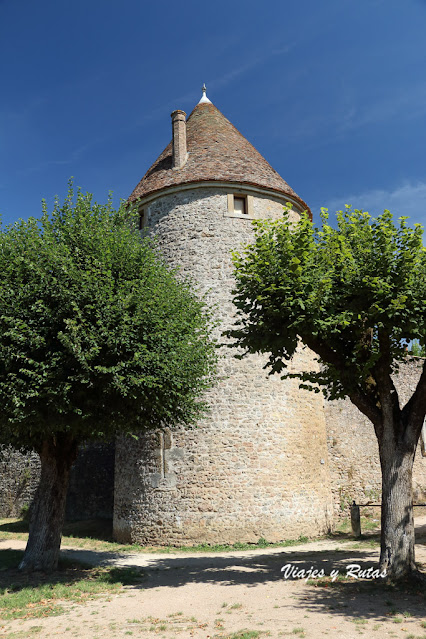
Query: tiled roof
x,y
216,152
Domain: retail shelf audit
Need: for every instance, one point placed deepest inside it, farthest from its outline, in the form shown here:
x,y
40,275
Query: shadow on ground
x,y
100,529
350,598
365,600
69,572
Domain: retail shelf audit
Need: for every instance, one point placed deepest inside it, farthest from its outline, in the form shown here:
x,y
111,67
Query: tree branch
x,y
362,399
414,411
389,398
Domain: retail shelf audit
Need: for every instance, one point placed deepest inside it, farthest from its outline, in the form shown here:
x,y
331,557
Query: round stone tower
x,y
256,466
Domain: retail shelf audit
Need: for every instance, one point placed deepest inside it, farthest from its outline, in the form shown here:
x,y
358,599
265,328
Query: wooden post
x,y
355,520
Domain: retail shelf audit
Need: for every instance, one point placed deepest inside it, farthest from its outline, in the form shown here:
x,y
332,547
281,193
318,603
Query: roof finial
x,y
204,98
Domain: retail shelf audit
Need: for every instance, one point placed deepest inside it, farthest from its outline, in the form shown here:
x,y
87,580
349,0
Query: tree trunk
x,y
397,537
47,513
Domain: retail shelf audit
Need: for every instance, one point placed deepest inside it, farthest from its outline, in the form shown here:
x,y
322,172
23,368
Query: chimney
x,y
180,154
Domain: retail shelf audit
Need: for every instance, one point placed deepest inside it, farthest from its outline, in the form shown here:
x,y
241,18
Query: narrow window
x,y
162,459
240,205
141,219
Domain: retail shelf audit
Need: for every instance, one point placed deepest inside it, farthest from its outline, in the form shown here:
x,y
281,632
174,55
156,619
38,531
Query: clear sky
x,y
331,92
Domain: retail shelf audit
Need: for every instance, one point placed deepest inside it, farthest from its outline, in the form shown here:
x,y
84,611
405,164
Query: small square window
x,y
240,205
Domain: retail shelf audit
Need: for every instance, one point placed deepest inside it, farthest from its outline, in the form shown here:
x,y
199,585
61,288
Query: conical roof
x,y
216,152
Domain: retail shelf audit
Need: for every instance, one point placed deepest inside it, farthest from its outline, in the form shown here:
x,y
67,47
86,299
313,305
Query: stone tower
x,y
257,466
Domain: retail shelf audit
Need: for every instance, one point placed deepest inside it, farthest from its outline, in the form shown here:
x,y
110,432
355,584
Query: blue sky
x,y
332,93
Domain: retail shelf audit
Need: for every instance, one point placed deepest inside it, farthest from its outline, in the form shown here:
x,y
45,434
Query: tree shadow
x,y
100,529
20,526
353,598
233,568
364,600
342,598
69,572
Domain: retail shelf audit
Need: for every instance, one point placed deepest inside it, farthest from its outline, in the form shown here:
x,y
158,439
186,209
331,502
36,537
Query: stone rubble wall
x,y
91,488
19,477
257,466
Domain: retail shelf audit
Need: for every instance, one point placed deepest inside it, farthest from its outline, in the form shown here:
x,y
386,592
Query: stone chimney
x,y
180,154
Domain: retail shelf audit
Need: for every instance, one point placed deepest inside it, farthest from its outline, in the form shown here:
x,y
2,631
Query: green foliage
x,y
97,335
25,513
416,349
350,293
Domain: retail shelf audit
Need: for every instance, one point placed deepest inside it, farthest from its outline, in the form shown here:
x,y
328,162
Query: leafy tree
x,y
417,350
355,295
97,337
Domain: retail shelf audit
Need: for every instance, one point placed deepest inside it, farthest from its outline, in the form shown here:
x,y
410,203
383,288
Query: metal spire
x,y
204,99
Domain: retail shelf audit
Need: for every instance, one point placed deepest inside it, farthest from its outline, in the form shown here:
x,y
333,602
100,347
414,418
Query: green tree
x,y
97,337
416,349
355,295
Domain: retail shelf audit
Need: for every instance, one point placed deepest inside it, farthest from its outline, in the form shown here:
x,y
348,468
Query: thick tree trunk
x,y
397,537
48,509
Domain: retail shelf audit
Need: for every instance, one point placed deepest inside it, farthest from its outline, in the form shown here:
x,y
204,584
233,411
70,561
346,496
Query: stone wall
x,y
91,488
269,461
19,476
354,454
257,465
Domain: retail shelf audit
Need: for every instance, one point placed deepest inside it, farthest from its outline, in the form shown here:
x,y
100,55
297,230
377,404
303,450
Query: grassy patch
x,y
97,535
367,524
175,622
40,595
206,548
244,634
9,559
24,634
371,542
370,524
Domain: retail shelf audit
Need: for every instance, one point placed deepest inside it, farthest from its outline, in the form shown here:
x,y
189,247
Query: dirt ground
x,y
214,595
